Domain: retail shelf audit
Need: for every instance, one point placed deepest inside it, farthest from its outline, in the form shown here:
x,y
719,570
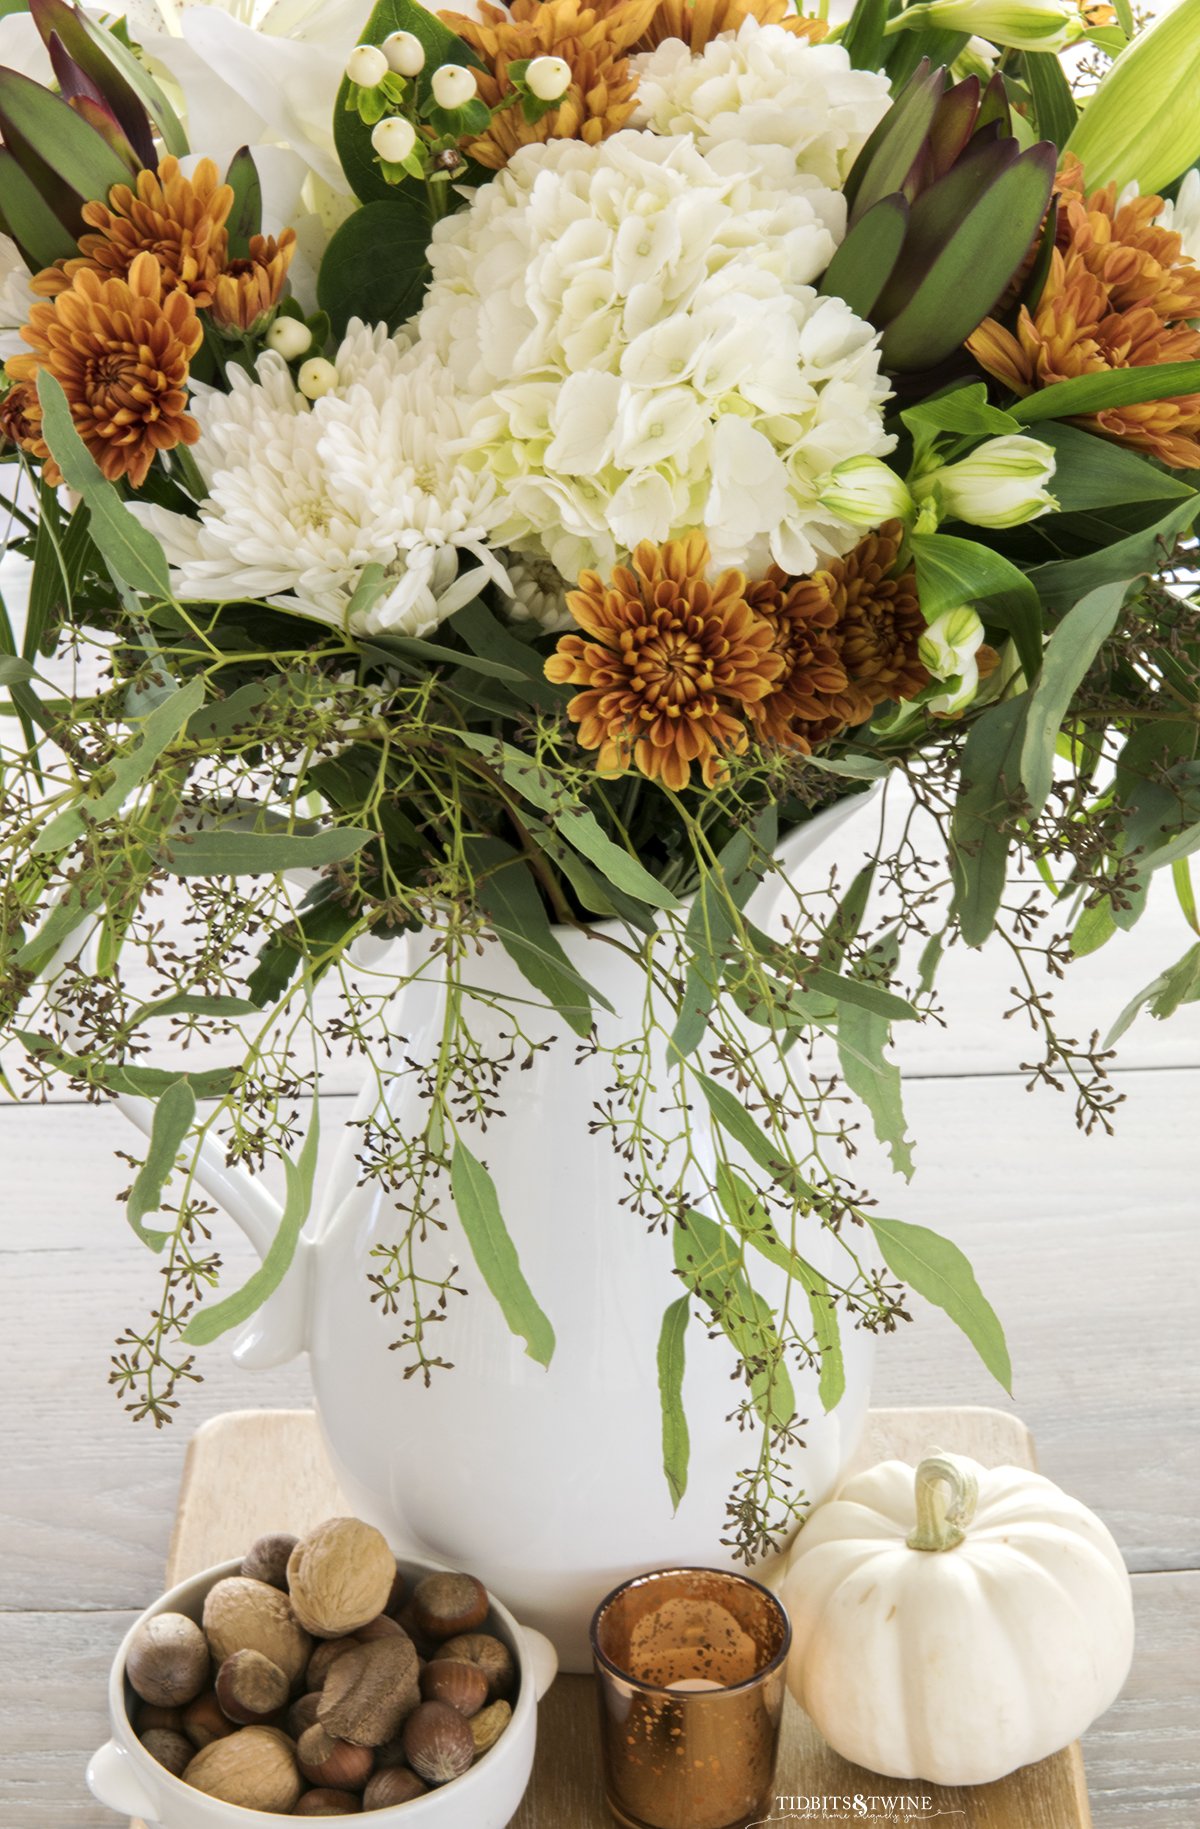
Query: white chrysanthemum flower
x,y
637,326
303,497
539,594
802,105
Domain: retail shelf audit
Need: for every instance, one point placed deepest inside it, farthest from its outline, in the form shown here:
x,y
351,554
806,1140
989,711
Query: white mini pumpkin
x,y
957,1623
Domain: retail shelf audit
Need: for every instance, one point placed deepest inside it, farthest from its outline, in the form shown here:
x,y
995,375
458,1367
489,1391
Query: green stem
x,y
947,1494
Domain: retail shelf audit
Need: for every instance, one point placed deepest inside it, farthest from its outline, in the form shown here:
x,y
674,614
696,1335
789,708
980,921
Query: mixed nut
x,y
316,1685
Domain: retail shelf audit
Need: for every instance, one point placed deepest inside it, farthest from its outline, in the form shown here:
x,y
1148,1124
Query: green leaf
x,y
1054,110
60,559
319,928
846,920
1094,929
863,1036
1085,395
111,48
506,891
860,993
965,413
54,145
709,1262
129,550
952,572
39,232
220,853
245,218
1142,124
487,637
193,1003
13,670
937,1270
1069,653
676,1446
1092,472
863,36
1064,582
495,1254
863,264
145,1082
1179,984
418,648
736,1121
174,1115
218,1317
125,773
988,797
710,925
854,768
376,266
1185,894
352,137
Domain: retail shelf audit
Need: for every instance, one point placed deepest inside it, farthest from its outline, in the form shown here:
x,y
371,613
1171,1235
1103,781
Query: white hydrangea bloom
x,y
302,497
802,106
637,326
539,594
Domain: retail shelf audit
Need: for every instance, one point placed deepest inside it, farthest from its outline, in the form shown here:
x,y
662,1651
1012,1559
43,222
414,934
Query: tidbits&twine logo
x,y
901,1807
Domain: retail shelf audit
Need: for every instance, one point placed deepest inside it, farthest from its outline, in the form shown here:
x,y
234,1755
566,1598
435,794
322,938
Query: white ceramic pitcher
x,y
546,1483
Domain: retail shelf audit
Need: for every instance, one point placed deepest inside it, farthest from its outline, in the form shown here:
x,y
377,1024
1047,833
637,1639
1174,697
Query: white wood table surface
x,y
1086,1246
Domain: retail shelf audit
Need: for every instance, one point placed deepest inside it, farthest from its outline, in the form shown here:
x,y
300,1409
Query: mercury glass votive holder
x,y
690,1667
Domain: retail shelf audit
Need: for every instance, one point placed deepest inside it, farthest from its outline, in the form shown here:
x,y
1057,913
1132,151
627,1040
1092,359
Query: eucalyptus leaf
x,y
1069,653
709,1262
989,797
495,1253
734,1119
224,853
1064,581
506,891
13,670
723,892
174,1115
864,1035
938,1270
1179,984
676,1446
860,993
144,1082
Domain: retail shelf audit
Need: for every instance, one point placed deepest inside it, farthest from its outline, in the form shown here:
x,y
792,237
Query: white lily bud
x,y
317,378
1001,484
393,139
948,649
864,492
405,53
1019,25
548,78
289,338
367,66
453,86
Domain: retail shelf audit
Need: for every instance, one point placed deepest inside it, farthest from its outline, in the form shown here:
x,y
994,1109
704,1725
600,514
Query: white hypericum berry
x,y
548,78
289,338
405,53
317,377
367,66
453,86
393,139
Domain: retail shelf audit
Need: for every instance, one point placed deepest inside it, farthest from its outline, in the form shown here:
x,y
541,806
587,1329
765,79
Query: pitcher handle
x,y
113,1782
543,1658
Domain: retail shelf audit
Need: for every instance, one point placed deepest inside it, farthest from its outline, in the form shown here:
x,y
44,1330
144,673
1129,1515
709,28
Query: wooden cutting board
x,y
253,1471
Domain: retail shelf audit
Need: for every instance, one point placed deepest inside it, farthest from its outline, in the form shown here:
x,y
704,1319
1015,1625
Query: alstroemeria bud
x,y
393,139
453,86
1000,484
405,53
548,78
367,66
289,338
865,492
317,378
948,649
1018,25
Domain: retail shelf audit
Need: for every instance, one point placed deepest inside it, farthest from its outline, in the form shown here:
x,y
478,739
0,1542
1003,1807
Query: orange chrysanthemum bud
x,y
672,664
120,351
1119,294
246,293
181,221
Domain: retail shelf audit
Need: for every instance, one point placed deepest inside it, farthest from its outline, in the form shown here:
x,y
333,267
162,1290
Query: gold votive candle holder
x,y
690,1668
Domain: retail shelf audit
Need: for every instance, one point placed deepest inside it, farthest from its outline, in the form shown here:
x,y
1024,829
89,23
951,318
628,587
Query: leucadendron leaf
x,y
495,1253
938,1270
672,1363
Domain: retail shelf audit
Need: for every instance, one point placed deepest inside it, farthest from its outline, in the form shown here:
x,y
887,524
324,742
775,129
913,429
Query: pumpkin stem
x,y
947,1493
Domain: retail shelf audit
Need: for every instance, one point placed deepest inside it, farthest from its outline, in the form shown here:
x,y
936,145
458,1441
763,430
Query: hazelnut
x,y
340,1577
149,1715
267,1559
250,1687
256,1768
331,1763
323,1659
492,1656
399,1590
168,1660
328,1803
245,1615
390,1753
370,1692
383,1627
204,1720
396,1786
452,1680
438,1742
444,1606
407,1618
175,1751
303,1713
488,1726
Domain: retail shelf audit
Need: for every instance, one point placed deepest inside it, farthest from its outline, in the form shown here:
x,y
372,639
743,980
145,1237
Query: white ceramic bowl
x,y
123,1776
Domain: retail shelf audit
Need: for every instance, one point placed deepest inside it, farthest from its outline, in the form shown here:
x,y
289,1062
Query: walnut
x,y
370,1691
168,1660
340,1577
245,1615
255,1768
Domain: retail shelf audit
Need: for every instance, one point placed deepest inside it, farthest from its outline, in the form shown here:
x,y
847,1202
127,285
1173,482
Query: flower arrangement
x,y
513,472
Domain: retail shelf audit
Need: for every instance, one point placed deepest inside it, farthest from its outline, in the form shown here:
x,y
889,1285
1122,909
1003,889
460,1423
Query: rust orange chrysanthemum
x,y
593,42
249,289
1119,294
806,704
698,22
668,663
179,220
120,351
